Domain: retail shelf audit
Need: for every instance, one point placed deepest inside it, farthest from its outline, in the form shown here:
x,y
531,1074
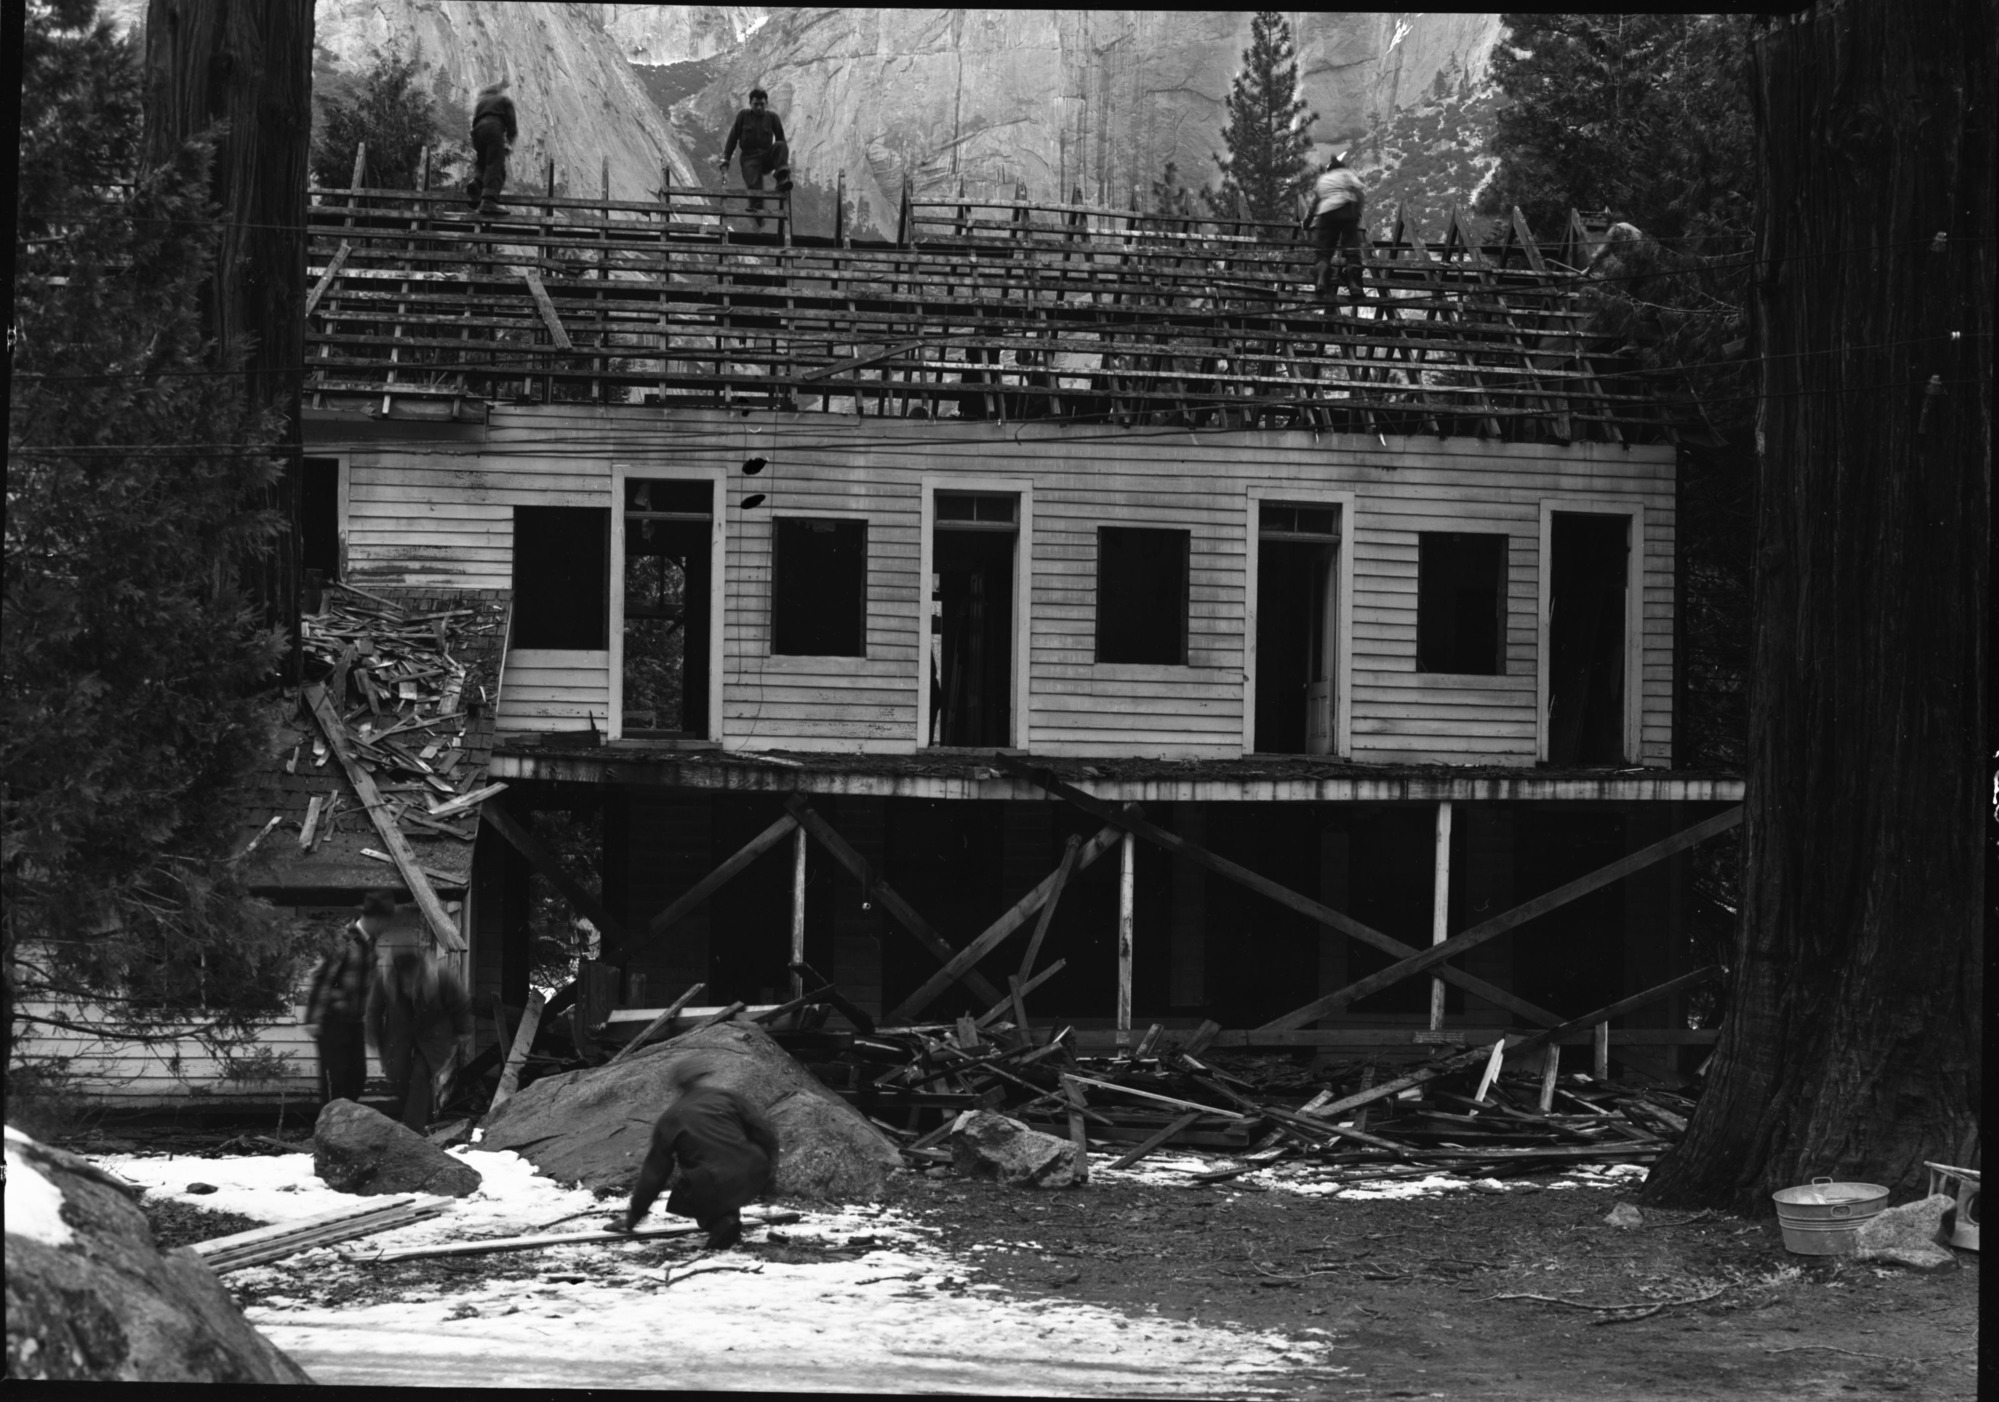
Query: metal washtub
x,y
1820,1218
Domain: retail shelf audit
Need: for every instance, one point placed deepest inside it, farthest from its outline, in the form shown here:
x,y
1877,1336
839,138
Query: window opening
x,y
1461,603
668,576
971,618
819,583
1142,595
562,577
1297,549
1586,642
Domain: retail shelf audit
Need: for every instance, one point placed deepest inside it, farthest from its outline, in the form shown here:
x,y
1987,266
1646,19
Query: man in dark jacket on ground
x,y
339,998
759,132
493,136
418,1015
726,1149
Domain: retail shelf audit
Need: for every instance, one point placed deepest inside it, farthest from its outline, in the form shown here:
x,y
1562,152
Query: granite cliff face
x,y
660,34
1097,99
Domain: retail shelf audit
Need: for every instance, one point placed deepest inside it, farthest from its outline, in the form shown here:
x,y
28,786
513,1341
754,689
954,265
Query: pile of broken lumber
x,y
397,704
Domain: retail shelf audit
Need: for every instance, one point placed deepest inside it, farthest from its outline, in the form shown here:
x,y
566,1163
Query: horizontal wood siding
x,y
444,515
116,1071
548,689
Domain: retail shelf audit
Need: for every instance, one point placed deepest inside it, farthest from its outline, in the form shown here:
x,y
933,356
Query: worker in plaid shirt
x,y
339,997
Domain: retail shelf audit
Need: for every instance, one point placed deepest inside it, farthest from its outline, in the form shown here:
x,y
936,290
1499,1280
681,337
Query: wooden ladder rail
x,y
1433,277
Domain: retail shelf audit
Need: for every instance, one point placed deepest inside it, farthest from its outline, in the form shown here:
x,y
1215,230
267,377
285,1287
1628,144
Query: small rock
x,y
1625,1216
358,1150
989,1145
202,1188
1907,1235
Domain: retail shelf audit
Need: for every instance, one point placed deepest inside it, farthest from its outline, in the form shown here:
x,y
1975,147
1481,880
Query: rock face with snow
x,y
358,1150
593,1127
1053,99
655,34
988,1145
90,1297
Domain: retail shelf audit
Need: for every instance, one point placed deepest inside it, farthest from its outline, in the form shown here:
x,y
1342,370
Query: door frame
x,y
1634,614
717,478
1019,727
1342,615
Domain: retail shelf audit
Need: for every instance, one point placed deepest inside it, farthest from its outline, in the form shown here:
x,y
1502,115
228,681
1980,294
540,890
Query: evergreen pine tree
x,y
129,654
1268,141
393,115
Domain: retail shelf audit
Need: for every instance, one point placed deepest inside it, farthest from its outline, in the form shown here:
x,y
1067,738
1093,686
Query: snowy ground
x,y
906,1316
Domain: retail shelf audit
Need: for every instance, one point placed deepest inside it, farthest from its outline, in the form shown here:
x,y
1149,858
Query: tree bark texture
x,y
1852,1046
248,67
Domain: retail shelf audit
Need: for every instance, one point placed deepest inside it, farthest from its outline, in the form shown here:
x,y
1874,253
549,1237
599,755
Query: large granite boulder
x,y
593,1126
90,1296
989,1145
358,1150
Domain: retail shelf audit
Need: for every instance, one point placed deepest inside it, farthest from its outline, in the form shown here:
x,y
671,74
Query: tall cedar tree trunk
x,y
249,66
1852,1049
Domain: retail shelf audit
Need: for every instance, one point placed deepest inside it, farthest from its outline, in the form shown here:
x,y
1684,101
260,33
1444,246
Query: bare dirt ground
x,y
1409,1297
1411,1290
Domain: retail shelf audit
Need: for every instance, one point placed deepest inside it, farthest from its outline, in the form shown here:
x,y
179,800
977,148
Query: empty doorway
x,y
669,571
1297,552
1588,581
971,618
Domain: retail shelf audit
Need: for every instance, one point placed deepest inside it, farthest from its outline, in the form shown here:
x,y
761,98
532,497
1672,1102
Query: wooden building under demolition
x,y
858,587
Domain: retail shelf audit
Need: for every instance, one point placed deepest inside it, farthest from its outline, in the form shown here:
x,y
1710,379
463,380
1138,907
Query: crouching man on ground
x,y
725,1149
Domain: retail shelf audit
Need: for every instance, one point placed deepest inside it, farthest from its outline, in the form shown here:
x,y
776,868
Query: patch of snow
x,y
33,1204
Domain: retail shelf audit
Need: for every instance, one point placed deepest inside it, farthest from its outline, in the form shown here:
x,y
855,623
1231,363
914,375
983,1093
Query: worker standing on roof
x,y
1338,201
493,137
761,136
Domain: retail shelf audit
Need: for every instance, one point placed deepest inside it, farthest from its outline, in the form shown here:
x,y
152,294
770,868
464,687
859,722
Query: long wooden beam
x,y
1474,1055
904,913
1041,897
716,879
528,845
1507,920
385,826
1070,851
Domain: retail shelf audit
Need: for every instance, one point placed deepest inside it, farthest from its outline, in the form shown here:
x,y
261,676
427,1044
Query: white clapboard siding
x,y
120,1072
554,689
444,514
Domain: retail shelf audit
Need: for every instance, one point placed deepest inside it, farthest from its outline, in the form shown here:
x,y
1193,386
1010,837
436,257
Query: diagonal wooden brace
x,y
1283,895
894,904
528,845
1425,960
1043,896
714,880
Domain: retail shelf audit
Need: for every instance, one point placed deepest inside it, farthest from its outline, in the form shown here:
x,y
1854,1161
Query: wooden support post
x,y
392,837
1019,1001
797,910
1440,906
1551,1070
1127,871
904,914
1600,1061
1073,1093
510,1074
658,1024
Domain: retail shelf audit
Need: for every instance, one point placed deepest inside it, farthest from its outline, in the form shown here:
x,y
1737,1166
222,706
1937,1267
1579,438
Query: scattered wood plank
x,y
719,1015
392,837
530,1243
854,1013
1146,1146
510,1074
773,1014
657,1025
470,800
274,1243
999,1009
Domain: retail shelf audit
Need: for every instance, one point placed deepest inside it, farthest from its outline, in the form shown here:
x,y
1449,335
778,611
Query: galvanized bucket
x,y
1821,1218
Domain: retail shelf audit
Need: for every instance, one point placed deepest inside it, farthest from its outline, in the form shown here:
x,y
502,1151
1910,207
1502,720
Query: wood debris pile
x,y
403,702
